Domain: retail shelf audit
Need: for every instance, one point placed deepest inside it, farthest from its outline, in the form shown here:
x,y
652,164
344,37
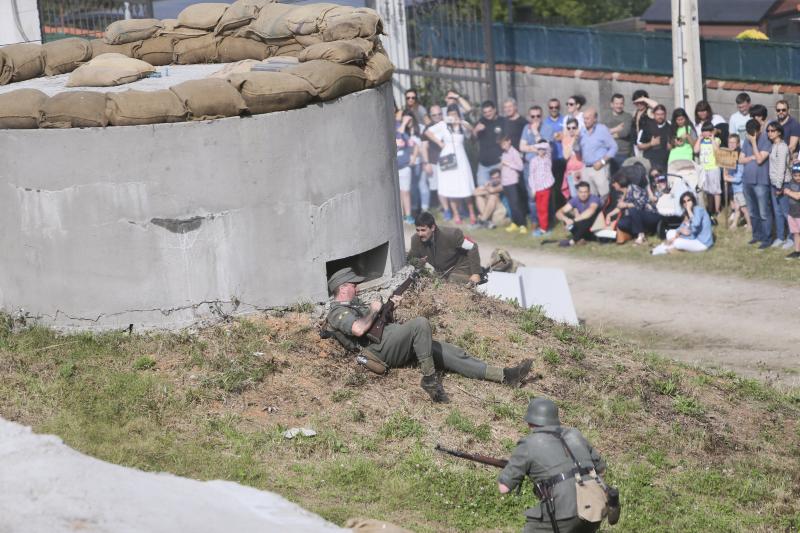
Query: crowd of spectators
x,y
604,173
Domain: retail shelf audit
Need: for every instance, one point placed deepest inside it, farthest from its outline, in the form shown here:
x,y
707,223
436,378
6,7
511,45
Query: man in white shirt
x,y
739,119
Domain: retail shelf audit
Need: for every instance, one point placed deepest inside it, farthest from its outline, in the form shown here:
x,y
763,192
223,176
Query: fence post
x,y
488,46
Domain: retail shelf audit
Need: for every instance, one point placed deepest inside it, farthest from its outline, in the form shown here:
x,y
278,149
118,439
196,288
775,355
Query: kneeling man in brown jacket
x,y
452,255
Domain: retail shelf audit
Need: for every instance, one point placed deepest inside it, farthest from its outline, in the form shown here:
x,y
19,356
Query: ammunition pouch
x,y
371,362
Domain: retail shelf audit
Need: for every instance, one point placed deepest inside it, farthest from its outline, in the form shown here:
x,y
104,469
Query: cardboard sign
x,y
726,158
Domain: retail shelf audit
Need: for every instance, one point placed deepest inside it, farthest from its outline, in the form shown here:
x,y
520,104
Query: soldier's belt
x,y
558,478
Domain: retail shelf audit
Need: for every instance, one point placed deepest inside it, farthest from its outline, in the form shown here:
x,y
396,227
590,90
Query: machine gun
x,y
386,313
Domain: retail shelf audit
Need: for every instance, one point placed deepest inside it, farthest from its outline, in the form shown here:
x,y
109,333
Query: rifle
x,y
386,313
476,457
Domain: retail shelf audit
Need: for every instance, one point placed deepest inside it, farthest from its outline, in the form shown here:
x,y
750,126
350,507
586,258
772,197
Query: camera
x,y
450,120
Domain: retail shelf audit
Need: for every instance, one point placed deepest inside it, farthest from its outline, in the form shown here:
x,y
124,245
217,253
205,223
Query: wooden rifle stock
x,y
476,457
386,313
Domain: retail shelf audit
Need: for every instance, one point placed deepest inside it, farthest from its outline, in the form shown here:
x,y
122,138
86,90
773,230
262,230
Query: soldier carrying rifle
x,y
402,344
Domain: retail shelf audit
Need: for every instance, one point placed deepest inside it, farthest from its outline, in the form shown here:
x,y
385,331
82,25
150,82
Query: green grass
x,y
457,420
730,255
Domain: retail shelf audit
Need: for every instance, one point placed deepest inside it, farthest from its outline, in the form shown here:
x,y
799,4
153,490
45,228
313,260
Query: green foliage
x,y
667,387
531,320
144,363
342,395
401,426
687,405
551,356
237,373
459,421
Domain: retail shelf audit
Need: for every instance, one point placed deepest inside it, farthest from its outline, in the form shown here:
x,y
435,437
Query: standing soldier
x,y
560,462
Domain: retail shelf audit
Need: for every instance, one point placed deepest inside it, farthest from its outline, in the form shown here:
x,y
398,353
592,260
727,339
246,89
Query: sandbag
x,y
109,70
309,40
133,108
264,92
210,98
277,64
170,28
130,31
361,22
258,4
231,49
23,61
75,109
245,65
204,16
379,69
236,16
305,20
344,52
198,50
157,51
270,24
100,47
64,55
330,80
20,109
289,49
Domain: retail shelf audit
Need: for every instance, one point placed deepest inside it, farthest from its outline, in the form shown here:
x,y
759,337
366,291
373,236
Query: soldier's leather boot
x,y
434,389
514,375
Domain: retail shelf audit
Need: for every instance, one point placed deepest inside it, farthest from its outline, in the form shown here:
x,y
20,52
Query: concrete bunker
x,y
372,264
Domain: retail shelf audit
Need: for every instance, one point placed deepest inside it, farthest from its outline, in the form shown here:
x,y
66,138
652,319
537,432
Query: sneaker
x,y
788,244
793,255
714,220
523,230
537,233
777,243
511,228
513,376
764,245
490,225
447,215
752,241
565,243
434,389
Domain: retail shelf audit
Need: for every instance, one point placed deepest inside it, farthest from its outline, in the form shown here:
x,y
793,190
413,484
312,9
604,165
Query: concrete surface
x,y
29,17
161,226
47,487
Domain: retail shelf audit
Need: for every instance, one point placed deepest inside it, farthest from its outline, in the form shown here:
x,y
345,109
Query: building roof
x,y
714,11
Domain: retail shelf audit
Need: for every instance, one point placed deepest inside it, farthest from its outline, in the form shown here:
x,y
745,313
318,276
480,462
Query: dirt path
x,y
751,327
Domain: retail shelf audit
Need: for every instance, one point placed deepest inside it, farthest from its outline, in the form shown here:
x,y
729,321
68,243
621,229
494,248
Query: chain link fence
x,y
87,18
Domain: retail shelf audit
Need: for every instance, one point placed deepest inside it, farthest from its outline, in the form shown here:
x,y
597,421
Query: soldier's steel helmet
x,y
542,412
343,275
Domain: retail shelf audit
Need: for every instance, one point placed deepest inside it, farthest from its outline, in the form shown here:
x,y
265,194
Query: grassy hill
x,y
690,449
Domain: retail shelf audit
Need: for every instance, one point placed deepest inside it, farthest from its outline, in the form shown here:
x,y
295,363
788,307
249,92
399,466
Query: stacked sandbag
x,y
20,109
265,92
109,70
210,98
76,109
20,62
158,51
196,50
130,31
203,16
379,69
348,23
170,28
135,108
353,51
65,55
330,80
232,49
235,17
100,47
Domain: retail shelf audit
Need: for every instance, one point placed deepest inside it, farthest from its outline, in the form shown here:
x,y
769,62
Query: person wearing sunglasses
x,y
779,173
575,105
755,178
791,128
413,105
694,234
597,148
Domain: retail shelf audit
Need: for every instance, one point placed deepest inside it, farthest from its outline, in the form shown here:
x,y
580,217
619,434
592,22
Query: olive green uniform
x,y
411,341
541,456
445,250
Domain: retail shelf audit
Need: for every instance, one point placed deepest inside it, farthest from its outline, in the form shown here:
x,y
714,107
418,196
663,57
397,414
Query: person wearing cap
x,y
452,255
552,455
402,344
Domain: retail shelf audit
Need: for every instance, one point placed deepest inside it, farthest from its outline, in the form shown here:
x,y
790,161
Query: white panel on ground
x,y
49,487
546,287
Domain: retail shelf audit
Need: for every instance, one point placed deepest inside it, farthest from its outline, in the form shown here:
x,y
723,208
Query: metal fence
x,y
87,18
647,53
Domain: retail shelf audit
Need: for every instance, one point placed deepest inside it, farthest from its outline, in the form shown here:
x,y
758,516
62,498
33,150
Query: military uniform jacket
x,y
541,456
445,250
341,318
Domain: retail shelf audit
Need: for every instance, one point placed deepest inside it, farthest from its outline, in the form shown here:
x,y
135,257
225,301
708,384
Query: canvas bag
x,y
133,108
64,56
20,109
74,109
591,493
171,29
109,70
157,51
232,49
196,50
305,20
130,31
24,61
210,98
378,69
270,25
330,80
265,92
204,16
344,52
100,47
236,16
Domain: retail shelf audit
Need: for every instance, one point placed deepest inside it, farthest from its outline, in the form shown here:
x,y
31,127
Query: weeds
x,y
460,422
342,395
401,426
531,320
144,363
687,405
551,356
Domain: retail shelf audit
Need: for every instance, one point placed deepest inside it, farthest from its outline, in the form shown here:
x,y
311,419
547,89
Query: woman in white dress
x,y
456,183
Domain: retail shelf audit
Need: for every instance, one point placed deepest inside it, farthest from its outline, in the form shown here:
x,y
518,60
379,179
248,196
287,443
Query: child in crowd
x,y
792,191
734,177
540,180
511,166
491,210
706,145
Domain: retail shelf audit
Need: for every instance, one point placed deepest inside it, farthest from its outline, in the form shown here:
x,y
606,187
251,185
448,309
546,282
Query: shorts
x,y
794,224
405,179
710,180
740,199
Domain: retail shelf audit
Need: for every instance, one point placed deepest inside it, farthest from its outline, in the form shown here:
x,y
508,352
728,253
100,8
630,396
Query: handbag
x,y
449,161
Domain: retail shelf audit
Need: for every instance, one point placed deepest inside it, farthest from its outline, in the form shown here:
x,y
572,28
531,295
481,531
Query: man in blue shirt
x,y
552,128
755,179
597,147
791,128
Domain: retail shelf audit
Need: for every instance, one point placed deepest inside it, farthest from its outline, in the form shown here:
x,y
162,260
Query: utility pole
x,y
488,48
686,66
393,13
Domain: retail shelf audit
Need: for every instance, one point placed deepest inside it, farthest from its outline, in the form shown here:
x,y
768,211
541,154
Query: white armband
x,y
467,244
